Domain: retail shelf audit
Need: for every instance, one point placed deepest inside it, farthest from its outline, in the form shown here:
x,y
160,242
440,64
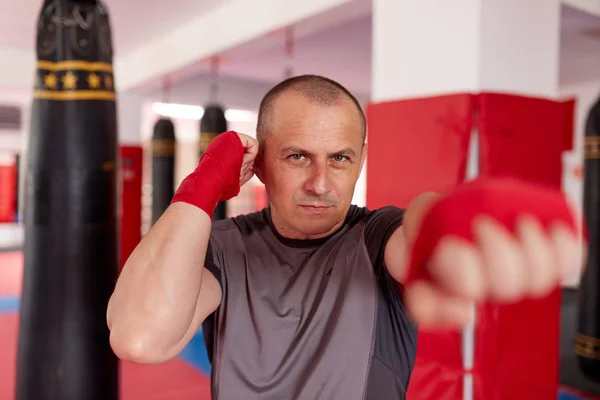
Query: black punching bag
x,y
213,123
70,218
163,167
587,344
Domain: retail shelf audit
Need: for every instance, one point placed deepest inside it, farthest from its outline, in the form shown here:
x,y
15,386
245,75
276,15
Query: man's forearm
x,y
155,298
414,213
401,240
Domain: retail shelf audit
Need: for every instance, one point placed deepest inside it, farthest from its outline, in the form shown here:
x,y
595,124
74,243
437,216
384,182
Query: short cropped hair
x,y
319,89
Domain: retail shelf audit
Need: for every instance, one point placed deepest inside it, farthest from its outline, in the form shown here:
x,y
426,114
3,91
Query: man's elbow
x,y
137,349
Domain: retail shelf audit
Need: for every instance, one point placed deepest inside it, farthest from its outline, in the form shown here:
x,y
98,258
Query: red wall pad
x,y
524,136
416,145
517,346
419,145
131,200
8,186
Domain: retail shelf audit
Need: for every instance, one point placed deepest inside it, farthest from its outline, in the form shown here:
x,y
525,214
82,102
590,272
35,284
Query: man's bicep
x,y
385,241
209,296
212,262
395,255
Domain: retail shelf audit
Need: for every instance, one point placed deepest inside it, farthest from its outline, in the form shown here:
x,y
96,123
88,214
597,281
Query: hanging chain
x,y
213,89
166,89
76,20
289,53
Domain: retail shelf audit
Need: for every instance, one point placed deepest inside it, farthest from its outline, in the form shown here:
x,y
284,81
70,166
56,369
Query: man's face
x,y
310,163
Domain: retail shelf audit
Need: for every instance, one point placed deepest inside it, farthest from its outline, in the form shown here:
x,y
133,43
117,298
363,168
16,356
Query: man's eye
x,y
340,158
296,157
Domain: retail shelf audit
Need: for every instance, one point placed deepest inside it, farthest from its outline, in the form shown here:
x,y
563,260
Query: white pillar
x,y
130,112
431,47
129,118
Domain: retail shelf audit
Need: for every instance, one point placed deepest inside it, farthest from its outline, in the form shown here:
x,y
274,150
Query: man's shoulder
x,y
380,223
243,224
357,213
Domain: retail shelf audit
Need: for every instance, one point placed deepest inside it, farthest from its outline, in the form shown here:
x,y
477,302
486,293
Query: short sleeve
x,y
212,262
380,225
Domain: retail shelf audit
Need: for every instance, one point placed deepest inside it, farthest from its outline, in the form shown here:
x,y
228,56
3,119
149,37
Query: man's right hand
x,y
223,168
251,150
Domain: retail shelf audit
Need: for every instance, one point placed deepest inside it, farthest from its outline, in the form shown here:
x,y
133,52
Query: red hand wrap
x,y
501,198
217,176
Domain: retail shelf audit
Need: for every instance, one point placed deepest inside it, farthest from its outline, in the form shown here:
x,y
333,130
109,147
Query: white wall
x,y
10,144
12,141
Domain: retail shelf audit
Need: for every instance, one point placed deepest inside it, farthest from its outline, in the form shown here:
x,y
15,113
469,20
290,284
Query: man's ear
x,y
363,156
258,166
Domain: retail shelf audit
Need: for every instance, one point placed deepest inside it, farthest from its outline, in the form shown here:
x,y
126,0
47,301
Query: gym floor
x,y
184,378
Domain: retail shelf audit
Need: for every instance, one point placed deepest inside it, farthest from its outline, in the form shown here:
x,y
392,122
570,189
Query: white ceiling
x,y
263,59
18,19
326,53
343,53
336,44
579,47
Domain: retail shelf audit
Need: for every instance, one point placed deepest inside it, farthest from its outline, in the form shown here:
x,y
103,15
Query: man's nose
x,y
319,182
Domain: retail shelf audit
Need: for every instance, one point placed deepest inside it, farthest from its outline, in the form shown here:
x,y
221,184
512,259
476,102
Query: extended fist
x,y
494,240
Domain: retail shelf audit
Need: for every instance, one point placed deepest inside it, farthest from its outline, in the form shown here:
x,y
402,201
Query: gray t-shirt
x,y
308,319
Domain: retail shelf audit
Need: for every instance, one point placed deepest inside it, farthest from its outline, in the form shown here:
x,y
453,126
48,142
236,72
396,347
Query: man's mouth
x,y
316,209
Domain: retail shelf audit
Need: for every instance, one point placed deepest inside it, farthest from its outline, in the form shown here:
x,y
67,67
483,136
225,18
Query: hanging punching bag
x,y
70,219
213,123
587,341
163,167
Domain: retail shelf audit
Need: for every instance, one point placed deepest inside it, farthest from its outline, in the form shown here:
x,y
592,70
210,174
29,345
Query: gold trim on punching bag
x,y
205,139
74,80
163,148
588,347
591,147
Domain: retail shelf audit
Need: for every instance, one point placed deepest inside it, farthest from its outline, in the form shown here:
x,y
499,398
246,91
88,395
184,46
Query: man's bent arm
x,y
164,293
397,247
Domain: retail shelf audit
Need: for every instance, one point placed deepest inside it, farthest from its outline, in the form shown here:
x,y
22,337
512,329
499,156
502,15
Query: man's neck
x,y
286,231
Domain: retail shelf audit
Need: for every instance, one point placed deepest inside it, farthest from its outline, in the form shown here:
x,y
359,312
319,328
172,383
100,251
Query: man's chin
x,y
319,227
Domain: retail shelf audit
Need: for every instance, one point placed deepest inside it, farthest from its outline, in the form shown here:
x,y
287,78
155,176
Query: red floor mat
x,y
9,324
11,271
173,380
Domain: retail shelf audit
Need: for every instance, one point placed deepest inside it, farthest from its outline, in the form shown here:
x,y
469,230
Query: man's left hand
x,y
491,240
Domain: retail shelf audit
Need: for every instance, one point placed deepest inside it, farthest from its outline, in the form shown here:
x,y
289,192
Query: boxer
x,y
313,297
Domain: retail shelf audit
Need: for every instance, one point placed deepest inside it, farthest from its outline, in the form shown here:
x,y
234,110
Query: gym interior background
x,y
173,58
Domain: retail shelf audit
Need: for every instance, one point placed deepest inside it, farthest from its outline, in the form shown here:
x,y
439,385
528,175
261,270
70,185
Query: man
x,y
314,298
